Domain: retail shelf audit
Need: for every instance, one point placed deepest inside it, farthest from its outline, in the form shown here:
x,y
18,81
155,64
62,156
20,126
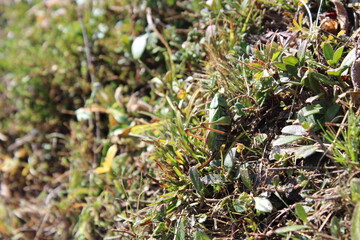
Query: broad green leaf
x,y
328,51
321,77
355,189
106,166
291,228
282,140
311,110
297,130
349,59
229,160
138,46
300,212
263,204
195,179
290,60
305,151
355,223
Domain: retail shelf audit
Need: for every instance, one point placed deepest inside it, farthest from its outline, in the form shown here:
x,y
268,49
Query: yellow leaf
x,y
106,166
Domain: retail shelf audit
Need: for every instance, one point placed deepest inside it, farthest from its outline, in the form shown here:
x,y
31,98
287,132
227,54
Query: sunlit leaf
x,y
328,51
82,114
229,160
263,204
106,166
290,60
305,151
282,140
291,228
297,130
300,212
213,179
138,46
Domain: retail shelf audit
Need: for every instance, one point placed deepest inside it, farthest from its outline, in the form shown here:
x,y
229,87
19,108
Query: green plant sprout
x,y
216,135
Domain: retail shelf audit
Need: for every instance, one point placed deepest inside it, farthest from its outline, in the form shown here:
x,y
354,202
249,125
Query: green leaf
x,y
229,160
213,179
195,179
282,140
305,151
349,59
263,204
180,230
311,110
245,177
338,54
328,51
290,60
291,228
300,212
355,223
238,206
335,227
321,77
138,46
302,51
280,66
355,189
200,236
297,130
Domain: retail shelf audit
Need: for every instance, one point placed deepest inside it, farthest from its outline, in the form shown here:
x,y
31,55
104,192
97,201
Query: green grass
x,y
115,160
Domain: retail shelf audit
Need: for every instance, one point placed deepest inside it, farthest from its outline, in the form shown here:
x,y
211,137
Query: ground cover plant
x,y
179,120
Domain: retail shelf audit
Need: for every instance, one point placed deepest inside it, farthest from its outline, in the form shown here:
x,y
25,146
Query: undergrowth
x,y
179,120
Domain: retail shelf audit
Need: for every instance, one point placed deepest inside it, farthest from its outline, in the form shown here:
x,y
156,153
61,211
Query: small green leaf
x,y
245,177
290,60
229,160
263,204
291,228
338,54
300,212
302,51
195,179
238,206
280,66
328,51
200,236
282,140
